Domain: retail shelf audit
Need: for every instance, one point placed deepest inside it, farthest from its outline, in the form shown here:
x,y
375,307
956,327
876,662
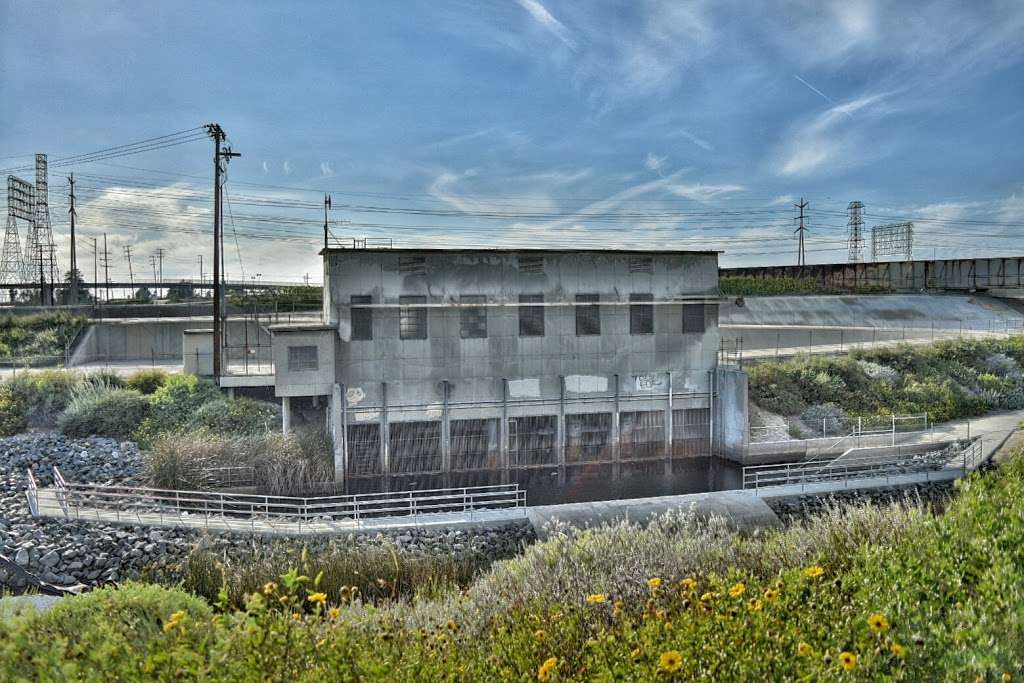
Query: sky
x,y
644,124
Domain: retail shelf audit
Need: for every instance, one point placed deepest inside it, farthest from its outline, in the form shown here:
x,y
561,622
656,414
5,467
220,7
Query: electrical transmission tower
x,y
20,206
105,260
855,228
40,255
801,254
131,273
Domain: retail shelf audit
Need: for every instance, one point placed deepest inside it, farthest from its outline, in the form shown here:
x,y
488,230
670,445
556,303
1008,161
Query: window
x,y
531,318
533,265
693,318
412,319
472,319
412,265
641,316
362,318
302,358
588,318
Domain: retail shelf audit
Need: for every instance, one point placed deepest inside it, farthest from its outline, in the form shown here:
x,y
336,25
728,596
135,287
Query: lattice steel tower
x,y
40,254
20,203
855,227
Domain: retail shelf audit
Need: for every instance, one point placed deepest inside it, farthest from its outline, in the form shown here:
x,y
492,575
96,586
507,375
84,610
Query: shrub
x,y
92,635
174,404
147,381
44,394
827,416
241,416
38,339
99,409
12,412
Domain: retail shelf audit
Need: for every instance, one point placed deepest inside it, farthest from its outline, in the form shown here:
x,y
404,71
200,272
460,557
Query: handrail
x,y
850,467
136,501
32,493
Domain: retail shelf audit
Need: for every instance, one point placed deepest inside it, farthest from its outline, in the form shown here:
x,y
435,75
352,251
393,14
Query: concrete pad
x,y
741,509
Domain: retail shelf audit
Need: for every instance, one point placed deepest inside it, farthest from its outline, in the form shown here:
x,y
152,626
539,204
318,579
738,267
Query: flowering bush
x,y
939,599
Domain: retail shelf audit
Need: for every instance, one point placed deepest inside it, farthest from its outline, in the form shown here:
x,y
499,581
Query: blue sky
x,y
643,123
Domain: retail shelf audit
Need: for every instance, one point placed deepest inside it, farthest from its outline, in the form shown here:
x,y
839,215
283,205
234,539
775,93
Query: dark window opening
x,y
641,316
531,318
693,318
362,318
302,358
588,318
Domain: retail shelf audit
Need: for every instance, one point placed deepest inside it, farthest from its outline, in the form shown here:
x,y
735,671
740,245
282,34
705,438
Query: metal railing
x,y
157,506
850,467
32,493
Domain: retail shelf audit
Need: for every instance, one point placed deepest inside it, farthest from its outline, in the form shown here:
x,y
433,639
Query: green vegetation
x,y
97,408
42,396
147,381
868,593
283,299
37,339
948,380
742,285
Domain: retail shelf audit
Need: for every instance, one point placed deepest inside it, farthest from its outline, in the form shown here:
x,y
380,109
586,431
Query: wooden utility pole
x,y
73,294
217,133
327,205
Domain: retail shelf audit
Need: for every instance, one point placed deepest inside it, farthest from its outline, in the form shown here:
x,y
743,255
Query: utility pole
x,y
327,205
73,294
131,273
200,257
217,133
95,271
801,257
152,264
106,266
160,262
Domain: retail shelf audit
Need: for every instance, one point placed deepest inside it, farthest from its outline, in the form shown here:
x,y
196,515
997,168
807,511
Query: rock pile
x,y
64,552
934,494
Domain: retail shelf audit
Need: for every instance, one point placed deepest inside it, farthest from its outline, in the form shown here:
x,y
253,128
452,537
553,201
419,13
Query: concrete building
x,y
448,366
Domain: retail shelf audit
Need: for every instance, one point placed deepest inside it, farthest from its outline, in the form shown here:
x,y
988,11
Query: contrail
x,y
830,100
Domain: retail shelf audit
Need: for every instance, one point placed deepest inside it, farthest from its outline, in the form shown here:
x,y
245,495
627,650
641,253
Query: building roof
x,y
526,250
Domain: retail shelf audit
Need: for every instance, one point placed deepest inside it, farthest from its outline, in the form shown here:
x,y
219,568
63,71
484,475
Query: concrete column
x,y
286,415
503,454
446,433
616,435
336,429
385,456
561,430
231,393
668,425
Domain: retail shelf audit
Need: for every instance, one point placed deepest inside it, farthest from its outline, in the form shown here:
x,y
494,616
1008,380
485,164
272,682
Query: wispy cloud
x,y
700,192
654,162
325,169
287,167
782,199
700,142
543,17
266,167
832,137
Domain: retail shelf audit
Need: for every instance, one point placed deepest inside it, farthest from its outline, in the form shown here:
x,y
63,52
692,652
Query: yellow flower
x,y
317,598
670,661
738,589
269,587
321,642
544,671
754,605
814,571
803,649
297,616
635,655
688,584
597,599
898,650
174,620
1005,678
668,625
654,583
334,612
878,623
539,634
848,660
708,597
771,594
